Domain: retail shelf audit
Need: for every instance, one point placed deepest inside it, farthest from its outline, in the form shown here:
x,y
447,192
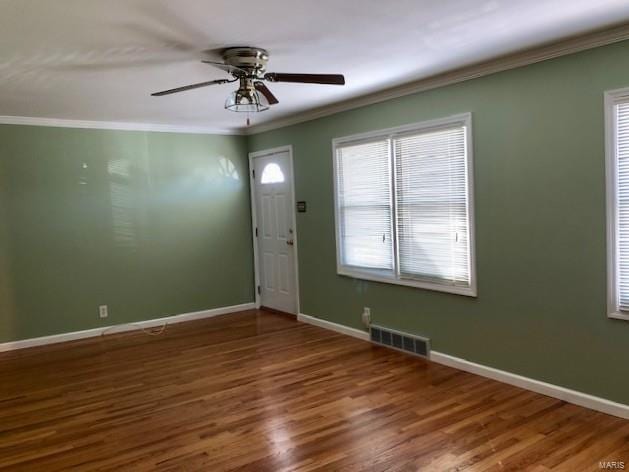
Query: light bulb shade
x,y
246,100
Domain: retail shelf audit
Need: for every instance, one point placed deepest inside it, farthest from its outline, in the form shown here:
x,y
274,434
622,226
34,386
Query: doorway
x,y
274,231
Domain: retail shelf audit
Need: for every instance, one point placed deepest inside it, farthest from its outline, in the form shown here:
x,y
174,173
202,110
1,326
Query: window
x,y
272,174
365,206
403,206
617,127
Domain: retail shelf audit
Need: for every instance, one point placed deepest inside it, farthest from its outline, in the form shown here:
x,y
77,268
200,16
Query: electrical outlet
x,y
366,316
103,312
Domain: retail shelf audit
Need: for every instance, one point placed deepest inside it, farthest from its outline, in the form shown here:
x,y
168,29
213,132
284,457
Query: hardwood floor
x,y
258,391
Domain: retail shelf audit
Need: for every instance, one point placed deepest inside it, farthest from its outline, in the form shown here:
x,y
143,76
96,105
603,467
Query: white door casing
x,y
274,229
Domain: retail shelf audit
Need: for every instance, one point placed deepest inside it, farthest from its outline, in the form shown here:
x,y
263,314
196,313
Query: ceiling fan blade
x,y
329,79
190,87
264,90
226,67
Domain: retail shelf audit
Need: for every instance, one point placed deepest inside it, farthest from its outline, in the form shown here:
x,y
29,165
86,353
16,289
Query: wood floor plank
x,y
259,391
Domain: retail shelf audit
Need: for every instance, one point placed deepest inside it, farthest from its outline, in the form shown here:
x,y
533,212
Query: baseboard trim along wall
x,y
571,396
121,328
339,328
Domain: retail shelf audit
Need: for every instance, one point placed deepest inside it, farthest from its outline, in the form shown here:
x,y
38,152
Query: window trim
x,y
612,98
392,277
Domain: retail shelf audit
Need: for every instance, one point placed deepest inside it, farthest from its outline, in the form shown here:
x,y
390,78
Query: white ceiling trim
x,y
115,125
504,63
512,61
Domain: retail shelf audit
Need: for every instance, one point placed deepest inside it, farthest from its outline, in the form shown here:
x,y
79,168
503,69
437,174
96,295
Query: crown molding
x,y
116,125
503,63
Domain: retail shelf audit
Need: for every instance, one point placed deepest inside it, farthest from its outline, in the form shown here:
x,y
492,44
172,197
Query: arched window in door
x,y
272,174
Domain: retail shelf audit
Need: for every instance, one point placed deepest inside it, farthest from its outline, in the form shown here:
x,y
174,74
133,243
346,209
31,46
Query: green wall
x,y
156,224
540,224
151,224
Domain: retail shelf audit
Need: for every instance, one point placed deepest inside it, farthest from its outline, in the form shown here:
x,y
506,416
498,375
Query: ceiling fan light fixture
x,y
246,100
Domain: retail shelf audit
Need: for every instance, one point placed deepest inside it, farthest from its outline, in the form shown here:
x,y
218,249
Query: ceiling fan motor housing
x,y
253,60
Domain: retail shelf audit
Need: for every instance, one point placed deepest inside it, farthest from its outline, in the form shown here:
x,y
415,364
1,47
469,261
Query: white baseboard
x,y
571,396
135,325
555,391
339,328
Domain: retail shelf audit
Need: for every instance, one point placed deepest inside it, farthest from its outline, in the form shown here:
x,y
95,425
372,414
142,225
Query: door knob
x,y
290,242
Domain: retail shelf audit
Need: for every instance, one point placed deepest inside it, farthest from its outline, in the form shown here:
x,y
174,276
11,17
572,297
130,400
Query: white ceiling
x,y
100,59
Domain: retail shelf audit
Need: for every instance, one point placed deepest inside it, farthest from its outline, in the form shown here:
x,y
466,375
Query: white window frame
x,y
378,275
612,98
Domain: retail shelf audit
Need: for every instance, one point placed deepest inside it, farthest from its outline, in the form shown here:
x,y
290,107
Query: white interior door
x,y
275,231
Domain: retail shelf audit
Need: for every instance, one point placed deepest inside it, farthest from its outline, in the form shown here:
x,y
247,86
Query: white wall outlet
x,y
103,311
366,316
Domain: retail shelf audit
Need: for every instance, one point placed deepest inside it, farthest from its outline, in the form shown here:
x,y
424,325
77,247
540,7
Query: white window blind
x,y
404,206
622,179
432,206
617,109
364,202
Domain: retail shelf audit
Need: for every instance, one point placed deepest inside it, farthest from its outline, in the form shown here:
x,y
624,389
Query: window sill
x,y
380,276
618,315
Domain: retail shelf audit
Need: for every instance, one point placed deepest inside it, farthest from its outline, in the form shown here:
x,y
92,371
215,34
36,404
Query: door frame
x,y
254,219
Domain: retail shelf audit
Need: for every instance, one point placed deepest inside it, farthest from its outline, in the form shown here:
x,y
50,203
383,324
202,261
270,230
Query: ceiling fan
x,y
247,65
